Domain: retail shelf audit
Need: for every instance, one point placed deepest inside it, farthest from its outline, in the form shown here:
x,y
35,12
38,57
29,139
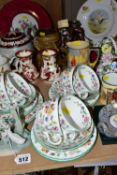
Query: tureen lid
x,y
12,39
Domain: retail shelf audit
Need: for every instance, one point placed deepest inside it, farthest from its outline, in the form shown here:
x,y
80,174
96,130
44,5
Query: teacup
x,y
3,94
63,84
109,80
75,112
89,78
79,88
16,85
49,122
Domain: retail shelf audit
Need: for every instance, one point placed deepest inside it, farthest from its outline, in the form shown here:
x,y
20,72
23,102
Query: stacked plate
x,y
108,120
81,81
63,129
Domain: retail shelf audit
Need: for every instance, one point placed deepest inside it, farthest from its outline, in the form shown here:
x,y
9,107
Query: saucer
x,y
66,155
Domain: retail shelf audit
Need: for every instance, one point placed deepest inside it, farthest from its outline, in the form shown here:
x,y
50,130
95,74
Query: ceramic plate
x,y
66,155
97,19
14,10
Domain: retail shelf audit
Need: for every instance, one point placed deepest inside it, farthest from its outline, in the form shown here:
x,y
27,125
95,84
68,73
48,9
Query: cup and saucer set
x,y
63,129
80,80
19,102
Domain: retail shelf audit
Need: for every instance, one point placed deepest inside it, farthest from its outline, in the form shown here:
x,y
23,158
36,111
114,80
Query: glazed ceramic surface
x,y
23,16
62,85
14,41
75,112
66,155
8,147
78,52
110,80
49,125
89,78
49,70
98,19
68,142
78,85
25,22
108,120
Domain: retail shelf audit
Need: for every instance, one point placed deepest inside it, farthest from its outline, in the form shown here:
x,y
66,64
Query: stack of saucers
x,y
18,99
17,93
80,80
107,124
63,129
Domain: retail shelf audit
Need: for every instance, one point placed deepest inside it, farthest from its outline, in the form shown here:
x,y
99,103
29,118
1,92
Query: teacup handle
x,y
54,141
83,95
72,135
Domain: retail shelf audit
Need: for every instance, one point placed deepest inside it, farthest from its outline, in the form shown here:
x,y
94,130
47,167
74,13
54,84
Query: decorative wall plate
x,y
31,11
98,20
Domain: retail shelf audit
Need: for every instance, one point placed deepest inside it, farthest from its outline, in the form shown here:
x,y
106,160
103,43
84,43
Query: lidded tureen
x,y
13,41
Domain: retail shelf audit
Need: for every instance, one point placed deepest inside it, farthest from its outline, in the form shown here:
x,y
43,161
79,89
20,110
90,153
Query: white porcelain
x,y
98,20
69,138
110,80
78,85
62,85
49,125
66,155
89,78
75,112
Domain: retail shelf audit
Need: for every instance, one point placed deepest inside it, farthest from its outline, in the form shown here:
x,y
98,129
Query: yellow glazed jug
x,y
78,52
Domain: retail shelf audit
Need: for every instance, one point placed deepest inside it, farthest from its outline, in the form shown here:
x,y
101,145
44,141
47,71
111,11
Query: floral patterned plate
x,y
66,155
